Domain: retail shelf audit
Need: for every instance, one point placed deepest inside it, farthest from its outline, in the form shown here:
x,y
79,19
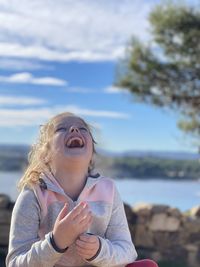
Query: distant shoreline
x,y
141,164
130,177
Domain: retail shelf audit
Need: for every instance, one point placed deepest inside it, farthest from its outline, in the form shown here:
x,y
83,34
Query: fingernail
x,y
84,204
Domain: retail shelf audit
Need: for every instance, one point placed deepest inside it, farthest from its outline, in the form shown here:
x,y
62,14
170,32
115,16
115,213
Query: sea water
x,y
181,194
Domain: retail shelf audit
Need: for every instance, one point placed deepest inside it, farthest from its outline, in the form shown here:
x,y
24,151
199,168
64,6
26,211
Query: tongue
x,y
74,144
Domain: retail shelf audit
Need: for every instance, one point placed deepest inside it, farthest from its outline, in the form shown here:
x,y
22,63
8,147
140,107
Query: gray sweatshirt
x,y
36,210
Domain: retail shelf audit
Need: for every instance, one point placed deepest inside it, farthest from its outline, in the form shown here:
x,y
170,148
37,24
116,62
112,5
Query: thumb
x,y
63,212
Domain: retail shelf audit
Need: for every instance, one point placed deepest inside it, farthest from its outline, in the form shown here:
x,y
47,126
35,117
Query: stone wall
x,y
159,232
6,207
164,233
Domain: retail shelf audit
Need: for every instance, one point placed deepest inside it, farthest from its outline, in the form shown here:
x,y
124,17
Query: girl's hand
x,y
69,226
87,246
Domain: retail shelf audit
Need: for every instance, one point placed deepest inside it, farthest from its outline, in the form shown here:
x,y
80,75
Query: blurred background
x,y
132,70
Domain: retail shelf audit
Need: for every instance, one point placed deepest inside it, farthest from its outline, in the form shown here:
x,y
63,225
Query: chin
x,y
77,153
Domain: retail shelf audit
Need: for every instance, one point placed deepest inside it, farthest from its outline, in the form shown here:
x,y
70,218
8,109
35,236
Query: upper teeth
x,y
69,142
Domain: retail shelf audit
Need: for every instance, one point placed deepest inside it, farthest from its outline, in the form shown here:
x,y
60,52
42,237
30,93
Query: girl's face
x,y
71,139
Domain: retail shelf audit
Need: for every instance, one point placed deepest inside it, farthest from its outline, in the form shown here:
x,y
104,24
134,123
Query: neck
x,y
72,179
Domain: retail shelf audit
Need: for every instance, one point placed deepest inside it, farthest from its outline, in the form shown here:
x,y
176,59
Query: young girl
x,y
65,215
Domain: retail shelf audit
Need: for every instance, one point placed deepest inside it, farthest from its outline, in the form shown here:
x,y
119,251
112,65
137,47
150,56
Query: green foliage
x,y
13,158
156,168
145,166
166,72
176,30
12,163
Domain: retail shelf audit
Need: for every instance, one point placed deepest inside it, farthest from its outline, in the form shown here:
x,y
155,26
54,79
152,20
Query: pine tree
x,y
166,72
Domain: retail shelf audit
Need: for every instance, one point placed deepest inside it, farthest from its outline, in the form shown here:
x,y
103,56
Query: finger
x,y
88,238
63,212
86,222
78,209
84,245
82,215
89,219
85,254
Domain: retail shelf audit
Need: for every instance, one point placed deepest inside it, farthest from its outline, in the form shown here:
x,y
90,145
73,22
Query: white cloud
x,y
80,90
45,53
28,78
114,90
25,117
21,64
71,30
98,113
106,90
32,117
20,101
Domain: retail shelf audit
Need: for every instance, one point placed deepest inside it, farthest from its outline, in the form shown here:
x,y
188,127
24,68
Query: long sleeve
x,y
25,247
117,248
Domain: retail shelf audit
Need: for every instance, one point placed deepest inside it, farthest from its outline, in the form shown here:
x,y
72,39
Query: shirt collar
x,y
49,182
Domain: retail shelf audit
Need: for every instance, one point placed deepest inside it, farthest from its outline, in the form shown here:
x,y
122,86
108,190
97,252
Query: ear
x,y
47,157
91,165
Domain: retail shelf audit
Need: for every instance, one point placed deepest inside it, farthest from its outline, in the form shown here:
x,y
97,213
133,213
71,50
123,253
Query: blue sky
x,y
60,56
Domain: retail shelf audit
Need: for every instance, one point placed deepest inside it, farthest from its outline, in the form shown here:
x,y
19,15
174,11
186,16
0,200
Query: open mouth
x,y
75,142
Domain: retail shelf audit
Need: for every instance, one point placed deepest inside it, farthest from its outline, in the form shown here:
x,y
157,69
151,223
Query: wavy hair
x,y
38,155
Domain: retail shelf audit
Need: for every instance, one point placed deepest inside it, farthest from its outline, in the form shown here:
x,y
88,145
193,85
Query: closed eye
x,y
60,129
83,128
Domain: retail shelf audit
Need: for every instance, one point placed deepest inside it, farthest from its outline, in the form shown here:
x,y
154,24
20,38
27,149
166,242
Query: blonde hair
x,y
37,158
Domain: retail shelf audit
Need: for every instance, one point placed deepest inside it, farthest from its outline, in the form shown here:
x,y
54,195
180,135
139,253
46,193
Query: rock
x,y
142,209
143,212
191,248
4,234
11,205
174,212
191,225
183,236
192,254
143,238
5,216
143,220
130,215
165,240
195,211
160,209
162,222
159,232
3,253
195,238
4,201
132,229
175,254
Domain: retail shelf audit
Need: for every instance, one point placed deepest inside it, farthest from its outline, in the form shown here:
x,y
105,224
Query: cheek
x,y
55,145
91,149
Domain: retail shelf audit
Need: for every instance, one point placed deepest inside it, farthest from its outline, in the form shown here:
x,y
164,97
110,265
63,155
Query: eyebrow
x,y
59,126
64,125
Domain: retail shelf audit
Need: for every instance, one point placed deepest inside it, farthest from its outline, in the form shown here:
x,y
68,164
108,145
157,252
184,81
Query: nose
x,y
74,129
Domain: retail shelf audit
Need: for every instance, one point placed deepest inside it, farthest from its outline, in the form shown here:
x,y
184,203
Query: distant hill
x,y
138,164
177,155
164,154
13,157
14,150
